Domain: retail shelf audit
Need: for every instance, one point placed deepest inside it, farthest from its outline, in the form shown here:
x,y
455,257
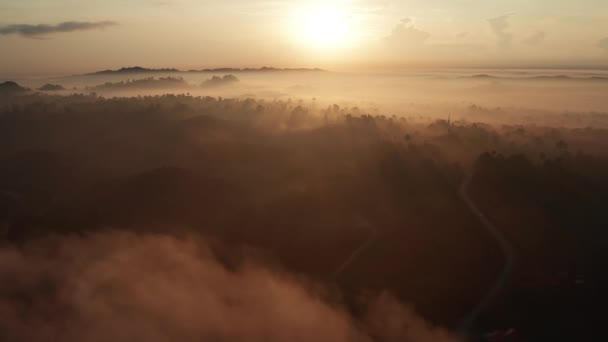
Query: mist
x,y
343,170
301,205
430,93
117,286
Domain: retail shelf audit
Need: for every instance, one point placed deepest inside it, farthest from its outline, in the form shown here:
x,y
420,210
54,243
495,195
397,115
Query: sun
x,y
325,27
322,27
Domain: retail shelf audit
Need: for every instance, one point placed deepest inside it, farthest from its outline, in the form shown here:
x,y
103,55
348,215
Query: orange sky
x,y
68,36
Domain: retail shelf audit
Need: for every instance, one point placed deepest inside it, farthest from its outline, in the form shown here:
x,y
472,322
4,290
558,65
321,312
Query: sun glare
x,y
323,28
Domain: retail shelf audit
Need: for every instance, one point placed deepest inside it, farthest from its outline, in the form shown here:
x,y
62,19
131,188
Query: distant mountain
x,y
133,70
12,88
140,70
262,69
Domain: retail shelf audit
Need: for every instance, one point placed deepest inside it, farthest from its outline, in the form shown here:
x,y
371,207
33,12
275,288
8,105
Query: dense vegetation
x,y
10,88
308,185
143,83
51,87
216,81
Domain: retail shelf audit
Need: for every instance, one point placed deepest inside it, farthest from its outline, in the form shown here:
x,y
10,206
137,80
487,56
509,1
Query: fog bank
x,y
118,286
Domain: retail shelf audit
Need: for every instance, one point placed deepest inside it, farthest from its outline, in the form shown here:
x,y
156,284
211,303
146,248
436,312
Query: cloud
x,y
603,44
500,26
406,35
535,39
118,286
34,31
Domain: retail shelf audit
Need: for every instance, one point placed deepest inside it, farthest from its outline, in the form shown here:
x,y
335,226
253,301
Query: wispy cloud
x,y
40,30
535,38
406,35
500,27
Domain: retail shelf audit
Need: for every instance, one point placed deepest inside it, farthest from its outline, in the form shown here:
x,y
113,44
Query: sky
x,y
70,36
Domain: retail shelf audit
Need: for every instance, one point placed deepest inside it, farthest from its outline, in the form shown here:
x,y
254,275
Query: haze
x,y
269,171
335,34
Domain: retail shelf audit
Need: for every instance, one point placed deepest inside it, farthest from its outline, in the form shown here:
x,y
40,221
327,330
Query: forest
x,y
360,204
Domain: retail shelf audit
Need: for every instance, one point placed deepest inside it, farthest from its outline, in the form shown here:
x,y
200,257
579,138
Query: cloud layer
x,y
44,29
124,287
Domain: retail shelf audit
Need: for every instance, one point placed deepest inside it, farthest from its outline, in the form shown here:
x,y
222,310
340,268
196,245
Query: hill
x,y
144,83
141,70
217,81
11,88
133,70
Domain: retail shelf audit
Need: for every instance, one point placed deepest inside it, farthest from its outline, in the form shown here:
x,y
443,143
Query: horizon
x,y
62,37
7,76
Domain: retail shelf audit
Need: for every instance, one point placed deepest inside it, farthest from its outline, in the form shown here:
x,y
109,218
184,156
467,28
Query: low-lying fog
x,y
405,93
359,195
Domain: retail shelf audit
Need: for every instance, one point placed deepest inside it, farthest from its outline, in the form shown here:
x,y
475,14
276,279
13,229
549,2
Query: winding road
x,y
505,248
357,252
